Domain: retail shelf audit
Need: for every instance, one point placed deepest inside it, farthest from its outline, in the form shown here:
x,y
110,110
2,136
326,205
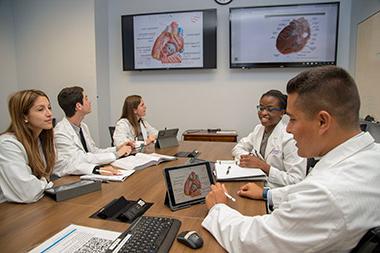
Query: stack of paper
x,y
228,170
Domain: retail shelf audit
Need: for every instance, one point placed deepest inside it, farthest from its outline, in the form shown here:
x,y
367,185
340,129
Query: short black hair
x,y
68,98
282,98
327,88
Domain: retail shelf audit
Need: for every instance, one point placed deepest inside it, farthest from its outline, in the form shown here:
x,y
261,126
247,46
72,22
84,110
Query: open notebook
x,y
96,177
228,170
141,160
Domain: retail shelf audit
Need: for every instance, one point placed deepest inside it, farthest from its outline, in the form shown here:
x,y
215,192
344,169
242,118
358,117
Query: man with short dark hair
x,y
337,203
77,153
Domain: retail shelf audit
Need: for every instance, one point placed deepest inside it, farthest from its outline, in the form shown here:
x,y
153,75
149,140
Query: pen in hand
x,y
257,154
229,196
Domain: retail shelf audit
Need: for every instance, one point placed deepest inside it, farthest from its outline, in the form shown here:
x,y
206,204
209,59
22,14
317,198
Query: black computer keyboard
x,y
147,234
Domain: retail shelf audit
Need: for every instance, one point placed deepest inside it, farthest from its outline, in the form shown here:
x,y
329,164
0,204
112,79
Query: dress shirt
x,y
17,181
286,167
72,158
329,211
124,131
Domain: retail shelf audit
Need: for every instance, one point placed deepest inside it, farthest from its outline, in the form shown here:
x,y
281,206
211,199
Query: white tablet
x,y
188,184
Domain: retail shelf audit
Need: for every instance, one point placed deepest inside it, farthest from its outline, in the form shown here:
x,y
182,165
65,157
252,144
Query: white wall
x,y
102,71
8,74
192,99
361,10
52,43
55,47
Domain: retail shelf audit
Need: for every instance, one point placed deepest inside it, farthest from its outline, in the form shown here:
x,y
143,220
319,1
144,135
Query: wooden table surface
x,y
24,226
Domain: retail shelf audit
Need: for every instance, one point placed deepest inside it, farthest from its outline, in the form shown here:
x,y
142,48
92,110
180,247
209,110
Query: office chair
x,y
370,242
111,129
372,127
374,130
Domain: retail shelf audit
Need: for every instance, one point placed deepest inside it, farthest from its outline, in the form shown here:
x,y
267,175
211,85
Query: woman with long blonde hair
x,y
27,153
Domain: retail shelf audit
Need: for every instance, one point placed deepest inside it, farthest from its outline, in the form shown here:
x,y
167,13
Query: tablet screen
x,y
188,184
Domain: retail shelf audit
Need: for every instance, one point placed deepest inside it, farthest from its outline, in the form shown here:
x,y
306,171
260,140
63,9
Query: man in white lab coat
x,y
337,203
76,150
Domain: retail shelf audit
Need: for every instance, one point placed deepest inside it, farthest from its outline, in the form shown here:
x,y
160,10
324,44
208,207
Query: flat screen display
x,y
170,40
302,35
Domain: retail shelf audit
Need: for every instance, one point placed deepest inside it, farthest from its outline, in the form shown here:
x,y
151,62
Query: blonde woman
x,y
27,153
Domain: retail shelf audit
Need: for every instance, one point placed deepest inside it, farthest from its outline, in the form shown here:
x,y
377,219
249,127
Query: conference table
x,y
25,226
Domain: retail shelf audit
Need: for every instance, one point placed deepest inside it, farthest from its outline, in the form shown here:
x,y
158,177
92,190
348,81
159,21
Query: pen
x,y
229,196
257,154
228,170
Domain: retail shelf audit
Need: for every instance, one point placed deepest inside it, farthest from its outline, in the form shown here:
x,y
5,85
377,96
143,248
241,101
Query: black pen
x,y
257,154
228,170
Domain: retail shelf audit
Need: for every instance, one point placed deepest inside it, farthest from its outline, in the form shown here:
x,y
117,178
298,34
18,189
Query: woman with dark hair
x,y
131,125
27,153
269,147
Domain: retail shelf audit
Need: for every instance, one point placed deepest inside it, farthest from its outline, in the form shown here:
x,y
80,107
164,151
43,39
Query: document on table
x,y
75,238
119,178
141,161
228,170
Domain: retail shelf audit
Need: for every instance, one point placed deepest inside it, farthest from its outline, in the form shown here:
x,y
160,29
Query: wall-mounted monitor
x,y
169,40
300,35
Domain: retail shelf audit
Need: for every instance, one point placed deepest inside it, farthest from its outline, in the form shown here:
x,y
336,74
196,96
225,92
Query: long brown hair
x,y
19,106
130,104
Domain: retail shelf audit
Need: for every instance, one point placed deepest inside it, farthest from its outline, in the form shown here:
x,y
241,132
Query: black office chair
x,y
372,127
370,242
374,130
111,129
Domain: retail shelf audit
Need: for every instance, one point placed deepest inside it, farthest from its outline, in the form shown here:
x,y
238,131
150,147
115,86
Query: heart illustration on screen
x,y
192,185
168,46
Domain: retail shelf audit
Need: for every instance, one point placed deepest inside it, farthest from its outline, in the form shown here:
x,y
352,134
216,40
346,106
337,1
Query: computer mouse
x,y
191,239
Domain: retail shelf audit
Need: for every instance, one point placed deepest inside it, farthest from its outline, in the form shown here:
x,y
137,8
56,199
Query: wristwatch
x,y
223,2
265,193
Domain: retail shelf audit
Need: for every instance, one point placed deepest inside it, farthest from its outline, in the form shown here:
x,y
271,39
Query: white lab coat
x,y
329,211
71,156
124,131
17,182
281,154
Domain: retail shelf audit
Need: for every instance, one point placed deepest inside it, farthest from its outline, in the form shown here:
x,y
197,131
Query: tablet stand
x,y
170,141
167,138
166,202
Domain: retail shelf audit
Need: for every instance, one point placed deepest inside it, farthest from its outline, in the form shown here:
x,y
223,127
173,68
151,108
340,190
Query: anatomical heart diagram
x,y
192,185
294,36
168,46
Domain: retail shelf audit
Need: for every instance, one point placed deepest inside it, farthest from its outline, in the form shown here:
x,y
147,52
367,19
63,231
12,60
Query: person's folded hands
x,y
109,170
123,149
251,190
